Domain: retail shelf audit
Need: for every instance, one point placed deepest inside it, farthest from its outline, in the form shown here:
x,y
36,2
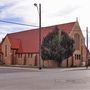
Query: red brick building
x,y
1,55
23,47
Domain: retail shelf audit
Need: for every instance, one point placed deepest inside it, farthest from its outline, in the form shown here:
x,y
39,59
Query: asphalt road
x,y
45,79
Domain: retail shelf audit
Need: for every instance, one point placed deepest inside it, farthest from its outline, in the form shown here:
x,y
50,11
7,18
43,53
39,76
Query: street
x,y
13,78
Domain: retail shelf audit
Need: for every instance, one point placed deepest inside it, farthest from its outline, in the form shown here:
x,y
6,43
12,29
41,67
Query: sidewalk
x,y
18,67
36,68
77,68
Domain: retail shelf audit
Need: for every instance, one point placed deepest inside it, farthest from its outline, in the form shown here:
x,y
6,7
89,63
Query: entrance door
x,y
13,60
13,57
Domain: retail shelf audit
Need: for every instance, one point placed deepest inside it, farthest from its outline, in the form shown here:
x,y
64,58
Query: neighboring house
x,y
23,47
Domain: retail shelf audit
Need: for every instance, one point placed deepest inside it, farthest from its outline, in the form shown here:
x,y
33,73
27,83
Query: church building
x,y
22,48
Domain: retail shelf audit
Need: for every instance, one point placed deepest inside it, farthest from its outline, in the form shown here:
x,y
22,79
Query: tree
x,y
68,44
57,45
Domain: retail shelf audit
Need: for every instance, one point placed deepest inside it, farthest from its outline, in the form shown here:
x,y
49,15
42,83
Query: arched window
x,y
77,41
5,50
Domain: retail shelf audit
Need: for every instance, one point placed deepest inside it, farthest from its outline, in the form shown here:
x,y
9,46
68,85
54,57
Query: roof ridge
x,y
21,31
42,28
62,24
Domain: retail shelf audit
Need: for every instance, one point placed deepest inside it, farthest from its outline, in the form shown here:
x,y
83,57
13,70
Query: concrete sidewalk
x,y
77,69
43,69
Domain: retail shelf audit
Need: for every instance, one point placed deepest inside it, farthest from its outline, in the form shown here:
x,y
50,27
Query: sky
x,y
53,12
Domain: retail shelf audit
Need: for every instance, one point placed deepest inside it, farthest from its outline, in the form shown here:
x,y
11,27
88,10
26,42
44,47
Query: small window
x,y
75,56
79,57
5,50
77,41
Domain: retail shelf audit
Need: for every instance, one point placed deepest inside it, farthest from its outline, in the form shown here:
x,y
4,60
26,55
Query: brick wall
x,y
7,58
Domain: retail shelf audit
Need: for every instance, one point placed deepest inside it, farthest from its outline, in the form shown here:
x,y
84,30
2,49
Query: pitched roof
x,y
67,27
28,41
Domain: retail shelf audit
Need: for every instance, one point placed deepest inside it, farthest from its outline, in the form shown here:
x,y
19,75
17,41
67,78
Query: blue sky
x,y
53,12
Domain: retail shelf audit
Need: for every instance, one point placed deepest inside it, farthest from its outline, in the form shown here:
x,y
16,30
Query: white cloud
x,y
53,12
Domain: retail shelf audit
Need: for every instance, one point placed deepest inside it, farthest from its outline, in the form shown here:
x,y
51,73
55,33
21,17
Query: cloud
x,y
7,15
22,10
53,12
5,6
11,18
66,11
10,28
3,31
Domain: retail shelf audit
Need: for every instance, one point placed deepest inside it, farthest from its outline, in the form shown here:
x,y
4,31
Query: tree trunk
x,y
48,63
43,63
58,64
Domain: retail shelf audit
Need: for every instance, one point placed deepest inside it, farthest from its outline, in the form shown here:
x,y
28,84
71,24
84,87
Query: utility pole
x,y
86,47
39,36
39,12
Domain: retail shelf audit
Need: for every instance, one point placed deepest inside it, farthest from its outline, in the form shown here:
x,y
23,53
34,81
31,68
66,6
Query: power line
x,y
29,25
17,23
